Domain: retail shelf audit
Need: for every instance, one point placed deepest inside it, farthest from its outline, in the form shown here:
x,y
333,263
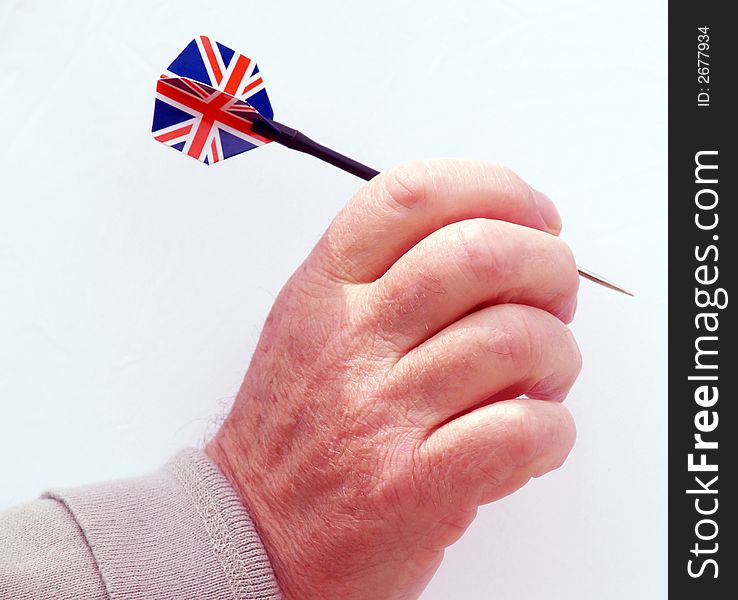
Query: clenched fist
x,y
411,370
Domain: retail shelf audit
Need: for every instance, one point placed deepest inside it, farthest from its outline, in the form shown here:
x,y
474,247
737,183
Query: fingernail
x,y
548,212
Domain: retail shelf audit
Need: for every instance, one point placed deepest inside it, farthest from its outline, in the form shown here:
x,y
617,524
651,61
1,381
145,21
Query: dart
x,y
211,104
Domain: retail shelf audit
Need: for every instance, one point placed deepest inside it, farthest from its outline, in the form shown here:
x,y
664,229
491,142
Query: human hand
x,y
382,404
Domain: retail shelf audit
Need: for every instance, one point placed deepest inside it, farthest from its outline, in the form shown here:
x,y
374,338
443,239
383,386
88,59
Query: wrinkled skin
x,y
411,370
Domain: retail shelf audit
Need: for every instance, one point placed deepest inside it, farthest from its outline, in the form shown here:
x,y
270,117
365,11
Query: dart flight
x,y
206,101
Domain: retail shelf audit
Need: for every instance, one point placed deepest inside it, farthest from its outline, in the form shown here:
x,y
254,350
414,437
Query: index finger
x,y
400,207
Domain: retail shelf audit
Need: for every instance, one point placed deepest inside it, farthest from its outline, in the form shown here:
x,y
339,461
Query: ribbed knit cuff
x,y
180,532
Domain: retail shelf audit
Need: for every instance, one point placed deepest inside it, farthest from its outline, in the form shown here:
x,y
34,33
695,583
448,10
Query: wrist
x,y
232,457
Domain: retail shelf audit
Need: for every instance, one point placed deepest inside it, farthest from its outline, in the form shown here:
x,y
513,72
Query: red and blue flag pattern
x,y
206,101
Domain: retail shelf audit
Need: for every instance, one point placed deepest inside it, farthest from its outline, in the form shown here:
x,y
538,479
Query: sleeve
x,y
181,532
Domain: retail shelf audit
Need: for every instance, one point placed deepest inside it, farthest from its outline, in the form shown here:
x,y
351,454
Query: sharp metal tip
x,y
587,274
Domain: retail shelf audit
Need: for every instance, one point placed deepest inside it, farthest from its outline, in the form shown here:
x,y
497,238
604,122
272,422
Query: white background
x,y
134,281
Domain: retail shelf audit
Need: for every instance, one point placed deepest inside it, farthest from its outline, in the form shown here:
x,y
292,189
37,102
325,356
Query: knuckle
x,y
576,355
406,186
332,258
521,434
555,385
567,282
521,338
569,267
429,475
471,244
568,435
394,467
573,366
393,301
516,188
492,476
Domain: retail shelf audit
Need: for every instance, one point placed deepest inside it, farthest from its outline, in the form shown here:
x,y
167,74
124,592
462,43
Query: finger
x,y
464,265
400,207
491,452
496,353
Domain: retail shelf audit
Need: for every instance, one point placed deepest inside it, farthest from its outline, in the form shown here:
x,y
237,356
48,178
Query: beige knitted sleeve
x,y
179,533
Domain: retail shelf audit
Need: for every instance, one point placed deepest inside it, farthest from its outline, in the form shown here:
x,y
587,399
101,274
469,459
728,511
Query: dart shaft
x,y
296,140
305,144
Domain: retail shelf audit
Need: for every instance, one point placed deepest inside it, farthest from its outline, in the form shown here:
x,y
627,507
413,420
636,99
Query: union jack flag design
x,y
206,101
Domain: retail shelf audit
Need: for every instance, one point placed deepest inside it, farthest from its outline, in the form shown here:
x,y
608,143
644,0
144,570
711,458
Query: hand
x,y
383,402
